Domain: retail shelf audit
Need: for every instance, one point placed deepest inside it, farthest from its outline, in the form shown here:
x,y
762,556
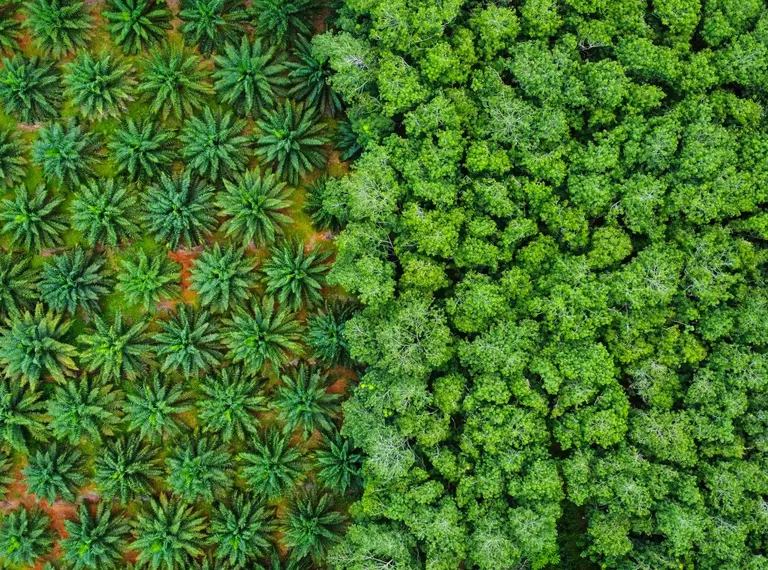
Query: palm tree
x,y
55,473
154,409
311,526
303,401
188,341
214,146
105,212
25,536
142,151
294,276
95,542
116,350
84,409
291,141
253,204
326,206
241,531
21,415
288,564
100,87
174,81
230,403
250,77
347,142
125,468
13,156
18,283
32,345
136,25
199,468
222,278
169,534
6,473
30,88
309,79
148,279
9,26
212,23
283,20
74,280
179,210
271,467
33,220
338,465
263,334
325,333
65,153
57,26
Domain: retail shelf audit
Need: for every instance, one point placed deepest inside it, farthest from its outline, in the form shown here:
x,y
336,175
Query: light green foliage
x,y
55,473
95,541
84,408
30,88
214,146
74,280
229,404
137,24
57,26
105,212
294,276
25,536
188,342
270,466
99,87
33,219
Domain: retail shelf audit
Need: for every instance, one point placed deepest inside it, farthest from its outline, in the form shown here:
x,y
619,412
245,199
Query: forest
x,y
383,284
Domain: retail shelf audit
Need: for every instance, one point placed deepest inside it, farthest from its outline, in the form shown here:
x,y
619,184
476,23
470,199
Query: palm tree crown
x,y
74,280
13,156
311,526
296,277
95,542
188,342
229,404
99,87
116,350
148,279
65,152
33,220
84,409
9,27
283,20
25,536
325,204
303,401
55,473
58,26
199,468
339,465
212,23
21,415
222,278
241,531
325,333
142,150
153,410
309,79
271,466
18,283
125,469
214,146
136,25
30,88
104,212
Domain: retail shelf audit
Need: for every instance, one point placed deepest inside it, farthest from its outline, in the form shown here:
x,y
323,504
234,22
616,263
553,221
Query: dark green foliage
x,y
199,467
84,408
30,88
169,534
18,283
321,203
325,333
137,24
33,220
291,140
179,210
174,81
275,562
253,203
96,541
295,277
222,278
311,526
143,150
146,280
66,153
74,280
13,156
57,26
153,410
6,473
117,350
241,531
347,141
33,346
212,23
266,333
230,403
56,473
9,26
308,76
21,415
188,342
250,77
99,87
271,466
283,20
125,469
338,465
105,212
214,145
25,536
303,401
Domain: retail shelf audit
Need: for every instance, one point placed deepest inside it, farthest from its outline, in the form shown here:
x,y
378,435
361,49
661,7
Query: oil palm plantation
x,y
153,410
326,204
295,277
303,401
338,466
125,469
188,342
270,466
253,204
309,76
13,157
221,277
214,145
18,283
179,210
25,536
99,87
33,220
283,20
95,541
65,153
265,333
136,25
84,409
229,404
21,416
9,26
30,88
147,279
311,526
104,212
74,280
7,475
33,345
291,140
199,468
250,77
117,350
55,473
142,151
325,333
57,26
210,24
241,531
